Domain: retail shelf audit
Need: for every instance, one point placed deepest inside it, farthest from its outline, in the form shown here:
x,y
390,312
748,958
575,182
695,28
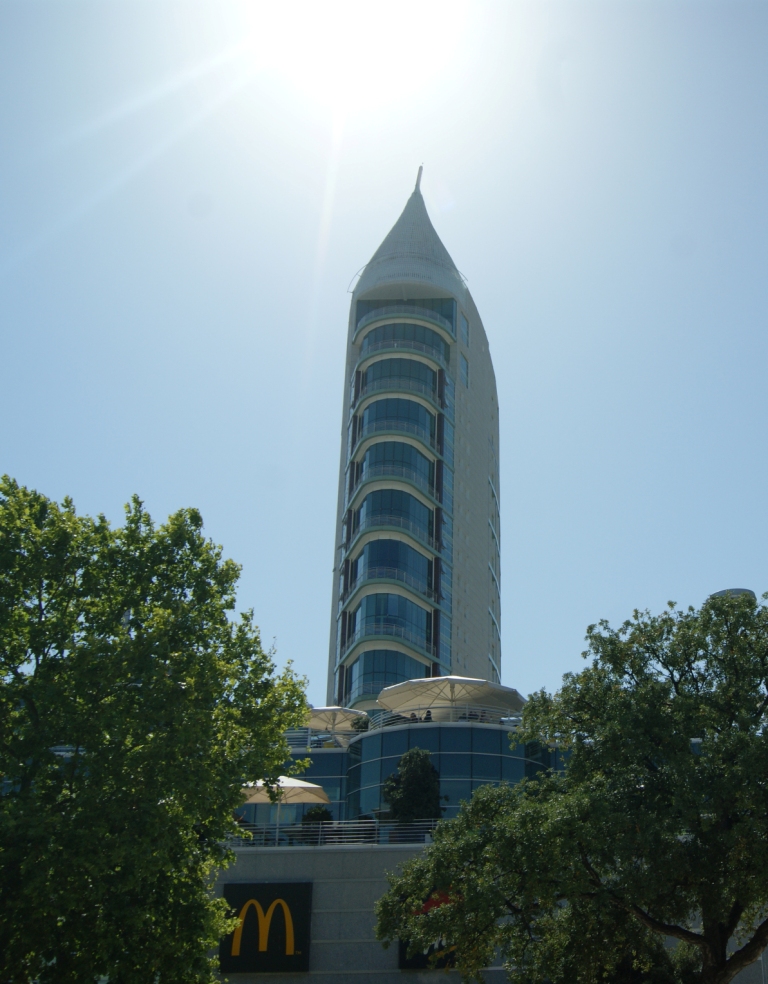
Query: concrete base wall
x,y
347,881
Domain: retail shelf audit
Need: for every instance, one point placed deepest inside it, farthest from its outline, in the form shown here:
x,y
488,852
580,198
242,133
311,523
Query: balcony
x,y
328,833
391,574
382,521
400,345
383,628
397,384
394,425
409,311
395,471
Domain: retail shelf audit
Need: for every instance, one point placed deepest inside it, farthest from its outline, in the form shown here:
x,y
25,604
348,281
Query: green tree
x,y
413,792
643,860
132,710
317,814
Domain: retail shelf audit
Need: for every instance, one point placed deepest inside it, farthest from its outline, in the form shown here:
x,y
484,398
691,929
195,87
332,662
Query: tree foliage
x,y
645,859
132,710
413,792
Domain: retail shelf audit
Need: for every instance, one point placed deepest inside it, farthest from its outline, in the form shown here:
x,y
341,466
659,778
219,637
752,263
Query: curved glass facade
x,y
394,413
421,339
393,615
393,559
395,459
444,307
465,755
405,374
370,672
393,507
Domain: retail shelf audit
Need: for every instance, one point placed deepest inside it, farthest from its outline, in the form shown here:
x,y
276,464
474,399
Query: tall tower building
x,y
416,575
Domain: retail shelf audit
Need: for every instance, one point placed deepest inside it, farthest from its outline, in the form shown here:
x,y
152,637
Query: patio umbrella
x,y
447,691
290,790
334,718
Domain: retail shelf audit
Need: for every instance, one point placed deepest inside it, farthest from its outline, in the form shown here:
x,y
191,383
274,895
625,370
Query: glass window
x,y
393,507
389,614
512,769
464,331
400,374
370,773
353,778
464,370
446,586
370,800
394,413
425,737
392,458
353,805
455,766
448,437
456,790
389,766
371,747
393,559
395,742
485,767
444,307
486,740
456,739
379,668
417,338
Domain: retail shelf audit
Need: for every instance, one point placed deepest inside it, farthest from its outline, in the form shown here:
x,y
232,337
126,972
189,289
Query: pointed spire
x,y
412,253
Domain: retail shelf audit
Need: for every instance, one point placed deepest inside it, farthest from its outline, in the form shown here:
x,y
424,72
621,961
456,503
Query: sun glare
x,y
357,55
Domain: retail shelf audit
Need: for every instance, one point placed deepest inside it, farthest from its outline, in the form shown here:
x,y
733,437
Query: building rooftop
x,y
413,255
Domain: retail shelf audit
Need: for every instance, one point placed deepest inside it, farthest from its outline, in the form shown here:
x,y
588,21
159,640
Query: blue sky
x,y
187,190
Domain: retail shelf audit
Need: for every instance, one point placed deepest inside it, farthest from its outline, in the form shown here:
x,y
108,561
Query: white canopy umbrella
x,y
334,718
448,691
290,790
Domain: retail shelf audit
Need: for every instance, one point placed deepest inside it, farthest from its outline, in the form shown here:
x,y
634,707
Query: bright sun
x,y
353,55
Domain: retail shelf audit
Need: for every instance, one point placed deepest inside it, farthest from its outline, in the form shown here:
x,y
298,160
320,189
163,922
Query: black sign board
x,y
273,929
423,961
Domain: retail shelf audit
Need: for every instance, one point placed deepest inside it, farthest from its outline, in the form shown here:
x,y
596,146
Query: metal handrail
x,y
394,424
464,713
383,520
380,627
396,384
390,574
334,832
402,344
396,471
409,309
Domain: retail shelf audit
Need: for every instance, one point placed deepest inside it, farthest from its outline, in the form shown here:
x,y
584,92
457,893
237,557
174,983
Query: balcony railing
x,y
380,627
379,520
327,833
390,574
403,344
451,714
410,310
394,424
462,714
396,471
397,384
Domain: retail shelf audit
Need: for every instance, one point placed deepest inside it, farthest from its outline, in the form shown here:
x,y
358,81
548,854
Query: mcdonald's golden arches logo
x,y
265,921
272,932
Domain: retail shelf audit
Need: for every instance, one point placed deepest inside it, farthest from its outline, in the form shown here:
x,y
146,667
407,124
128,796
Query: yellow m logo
x,y
265,921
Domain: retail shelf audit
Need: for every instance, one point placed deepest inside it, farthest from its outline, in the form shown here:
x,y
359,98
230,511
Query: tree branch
x,y
746,955
665,929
